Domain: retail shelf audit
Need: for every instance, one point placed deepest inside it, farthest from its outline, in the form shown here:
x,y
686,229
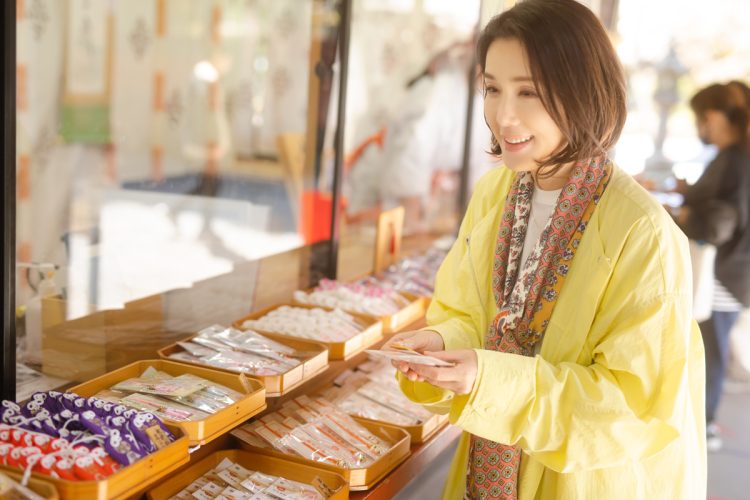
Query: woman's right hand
x,y
418,340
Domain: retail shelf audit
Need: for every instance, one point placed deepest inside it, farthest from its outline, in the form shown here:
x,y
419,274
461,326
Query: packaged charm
x,y
286,489
234,475
258,482
165,409
161,387
230,493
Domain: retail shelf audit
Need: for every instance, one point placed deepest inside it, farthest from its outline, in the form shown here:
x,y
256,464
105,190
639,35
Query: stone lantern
x,y
668,71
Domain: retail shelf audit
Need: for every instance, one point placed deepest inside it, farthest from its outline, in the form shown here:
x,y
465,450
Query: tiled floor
x,y
429,484
728,469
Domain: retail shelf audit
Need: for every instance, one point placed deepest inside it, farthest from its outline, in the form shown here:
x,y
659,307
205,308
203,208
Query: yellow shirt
x,y
613,405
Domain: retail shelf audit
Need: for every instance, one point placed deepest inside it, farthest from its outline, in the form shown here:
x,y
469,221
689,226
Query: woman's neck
x,y
556,181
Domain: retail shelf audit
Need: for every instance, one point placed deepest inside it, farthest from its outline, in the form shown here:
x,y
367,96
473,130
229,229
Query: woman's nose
x,y
506,113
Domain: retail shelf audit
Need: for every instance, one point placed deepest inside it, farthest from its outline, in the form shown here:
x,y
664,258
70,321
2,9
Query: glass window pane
x,y
165,149
408,95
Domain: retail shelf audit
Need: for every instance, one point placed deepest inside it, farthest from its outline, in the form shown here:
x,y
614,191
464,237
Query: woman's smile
x,y
516,143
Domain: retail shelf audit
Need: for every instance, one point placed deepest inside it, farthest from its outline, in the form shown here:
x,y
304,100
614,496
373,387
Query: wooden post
x,y
388,238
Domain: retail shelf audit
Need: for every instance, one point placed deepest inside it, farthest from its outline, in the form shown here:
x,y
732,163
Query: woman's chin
x,y
520,166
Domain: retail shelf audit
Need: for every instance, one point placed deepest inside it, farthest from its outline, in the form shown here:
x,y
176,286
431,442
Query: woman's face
x,y
518,120
714,128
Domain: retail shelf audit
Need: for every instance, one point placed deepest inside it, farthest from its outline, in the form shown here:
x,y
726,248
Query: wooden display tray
x,y
253,461
276,385
358,479
409,314
128,481
418,433
201,431
393,323
43,488
372,334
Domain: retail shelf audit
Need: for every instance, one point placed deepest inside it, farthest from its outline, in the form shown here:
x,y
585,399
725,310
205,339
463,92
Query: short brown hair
x,y
732,99
576,70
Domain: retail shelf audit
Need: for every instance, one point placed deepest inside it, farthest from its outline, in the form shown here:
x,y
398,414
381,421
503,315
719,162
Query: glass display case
x,y
410,77
168,155
179,163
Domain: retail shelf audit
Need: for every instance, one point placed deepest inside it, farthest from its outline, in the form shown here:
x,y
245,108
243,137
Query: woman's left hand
x,y
458,378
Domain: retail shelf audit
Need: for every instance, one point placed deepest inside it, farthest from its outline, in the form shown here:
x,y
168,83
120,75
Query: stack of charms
x,y
231,480
185,398
415,275
314,324
376,395
69,437
315,429
243,352
370,299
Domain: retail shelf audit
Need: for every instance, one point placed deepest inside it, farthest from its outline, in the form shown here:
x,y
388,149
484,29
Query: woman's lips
x,y
513,144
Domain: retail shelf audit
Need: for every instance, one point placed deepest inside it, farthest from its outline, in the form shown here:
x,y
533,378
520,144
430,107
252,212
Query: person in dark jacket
x,y
716,210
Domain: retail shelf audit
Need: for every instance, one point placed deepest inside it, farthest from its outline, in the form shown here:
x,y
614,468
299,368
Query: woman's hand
x,y
458,378
417,340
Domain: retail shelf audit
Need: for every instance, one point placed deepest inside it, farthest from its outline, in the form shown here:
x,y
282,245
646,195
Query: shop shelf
x,y
371,335
418,433
413,311
200,431
130,480
314,361
334,483
360,478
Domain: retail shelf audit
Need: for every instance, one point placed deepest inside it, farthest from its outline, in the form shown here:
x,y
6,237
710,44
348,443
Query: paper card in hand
x,y
412,357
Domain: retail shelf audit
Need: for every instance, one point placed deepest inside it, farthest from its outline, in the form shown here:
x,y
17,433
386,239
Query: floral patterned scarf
x,y
525,303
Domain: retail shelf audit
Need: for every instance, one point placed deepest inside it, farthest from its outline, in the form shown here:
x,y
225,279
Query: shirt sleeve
x,y
457,310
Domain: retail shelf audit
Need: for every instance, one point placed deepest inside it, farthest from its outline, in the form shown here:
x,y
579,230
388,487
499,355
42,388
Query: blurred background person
x,y
716,210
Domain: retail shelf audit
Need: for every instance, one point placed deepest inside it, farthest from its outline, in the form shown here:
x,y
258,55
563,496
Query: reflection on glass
x,y
409,89
162,150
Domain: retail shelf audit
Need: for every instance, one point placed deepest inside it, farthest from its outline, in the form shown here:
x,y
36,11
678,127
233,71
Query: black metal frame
x,y
8,112
464,187
345,8
463,190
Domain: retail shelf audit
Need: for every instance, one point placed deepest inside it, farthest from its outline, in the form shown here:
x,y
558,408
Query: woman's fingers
x,y
418,340
458,378
406,369
408,339
458,356
428,372
401,366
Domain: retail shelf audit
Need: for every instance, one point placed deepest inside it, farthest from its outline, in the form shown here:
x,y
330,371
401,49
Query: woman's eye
x,y
528,93
489,89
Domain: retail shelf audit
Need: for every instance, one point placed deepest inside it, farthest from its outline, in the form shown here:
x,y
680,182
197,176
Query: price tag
x,y
322,487
158,437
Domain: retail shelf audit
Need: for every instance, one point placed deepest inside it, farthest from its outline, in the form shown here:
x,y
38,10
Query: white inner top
x,y
542,206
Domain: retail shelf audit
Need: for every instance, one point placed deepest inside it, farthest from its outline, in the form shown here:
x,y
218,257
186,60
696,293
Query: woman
x,y
717,211
565,304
